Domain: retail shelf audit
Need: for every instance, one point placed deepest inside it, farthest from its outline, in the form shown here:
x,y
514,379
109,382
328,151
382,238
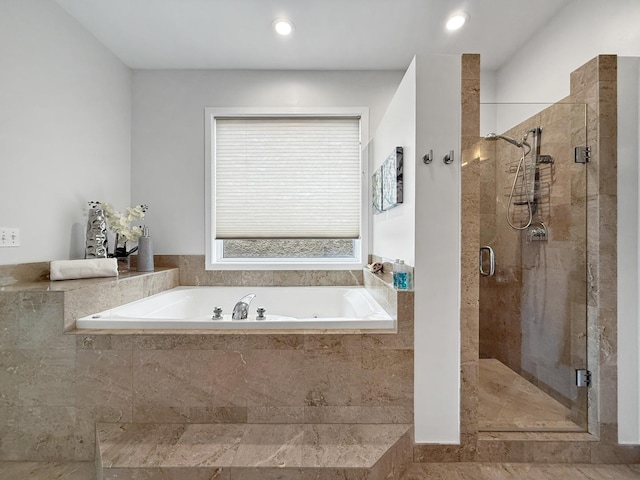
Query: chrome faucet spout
x,y
241,310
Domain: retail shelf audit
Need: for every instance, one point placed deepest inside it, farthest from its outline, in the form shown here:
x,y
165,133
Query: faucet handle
x,y
217,313
261,315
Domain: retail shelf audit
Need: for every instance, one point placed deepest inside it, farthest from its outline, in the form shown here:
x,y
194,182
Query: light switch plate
x,y
9,237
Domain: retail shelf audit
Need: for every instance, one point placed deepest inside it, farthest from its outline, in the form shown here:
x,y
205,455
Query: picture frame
x,y
387,183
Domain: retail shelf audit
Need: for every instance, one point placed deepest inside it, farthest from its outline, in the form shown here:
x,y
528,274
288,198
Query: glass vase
x,y
124,263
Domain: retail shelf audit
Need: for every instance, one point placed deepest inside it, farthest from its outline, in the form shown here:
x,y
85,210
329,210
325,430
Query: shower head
x,y
513,141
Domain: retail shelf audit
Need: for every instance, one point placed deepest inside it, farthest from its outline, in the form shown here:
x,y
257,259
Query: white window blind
x,y
293,177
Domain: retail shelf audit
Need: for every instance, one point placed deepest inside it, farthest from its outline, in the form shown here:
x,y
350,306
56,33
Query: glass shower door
x,y
533,314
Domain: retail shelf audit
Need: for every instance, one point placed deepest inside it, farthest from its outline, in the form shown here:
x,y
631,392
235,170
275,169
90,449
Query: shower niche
x,y
533,314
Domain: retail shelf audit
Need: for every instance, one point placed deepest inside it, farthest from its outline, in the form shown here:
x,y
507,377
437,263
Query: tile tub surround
x,y
55,386
193,273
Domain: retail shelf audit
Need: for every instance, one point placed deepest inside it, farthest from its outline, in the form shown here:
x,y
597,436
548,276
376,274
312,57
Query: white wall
x,y
393,231
581,30
425,115
168,132
628,254
64,129
437,237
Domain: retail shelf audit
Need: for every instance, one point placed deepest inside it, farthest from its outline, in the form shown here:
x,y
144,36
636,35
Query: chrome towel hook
x,y
448,159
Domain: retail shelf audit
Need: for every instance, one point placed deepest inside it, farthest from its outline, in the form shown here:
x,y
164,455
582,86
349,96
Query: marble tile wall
x,y
43,409
192,272
533,311
593,85
55,386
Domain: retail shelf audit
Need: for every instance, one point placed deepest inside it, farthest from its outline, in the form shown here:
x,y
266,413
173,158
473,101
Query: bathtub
x,y
286,308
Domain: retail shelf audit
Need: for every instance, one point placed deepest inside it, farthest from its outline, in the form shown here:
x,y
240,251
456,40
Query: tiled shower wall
x,y
55,386
594,85
533,310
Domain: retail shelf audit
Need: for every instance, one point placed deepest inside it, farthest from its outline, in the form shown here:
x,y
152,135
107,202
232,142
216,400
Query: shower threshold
x,y
509,403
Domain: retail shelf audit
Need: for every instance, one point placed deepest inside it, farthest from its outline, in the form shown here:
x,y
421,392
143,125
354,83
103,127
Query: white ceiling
x,y
330,34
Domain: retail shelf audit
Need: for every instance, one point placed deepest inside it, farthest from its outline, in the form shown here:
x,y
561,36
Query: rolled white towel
x,y
89,268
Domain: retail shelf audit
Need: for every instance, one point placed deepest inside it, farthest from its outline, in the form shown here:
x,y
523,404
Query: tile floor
x,y
519,471
508,402
422,471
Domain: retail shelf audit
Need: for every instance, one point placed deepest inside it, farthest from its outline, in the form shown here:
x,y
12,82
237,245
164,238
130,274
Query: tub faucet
x,y
241,310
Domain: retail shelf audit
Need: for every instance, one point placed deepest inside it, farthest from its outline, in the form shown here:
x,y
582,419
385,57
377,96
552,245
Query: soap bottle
x,y
145,251
402,276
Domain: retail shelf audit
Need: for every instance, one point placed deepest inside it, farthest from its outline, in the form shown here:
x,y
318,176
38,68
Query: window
x,y
286,189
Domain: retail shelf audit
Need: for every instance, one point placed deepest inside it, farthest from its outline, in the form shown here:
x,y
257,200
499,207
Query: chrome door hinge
x,y
583,378
581,154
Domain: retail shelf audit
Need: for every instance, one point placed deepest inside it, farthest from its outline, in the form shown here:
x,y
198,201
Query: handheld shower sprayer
x,y
528,184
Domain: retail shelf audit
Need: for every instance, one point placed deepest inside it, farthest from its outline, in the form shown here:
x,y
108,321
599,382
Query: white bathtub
x,y
287,308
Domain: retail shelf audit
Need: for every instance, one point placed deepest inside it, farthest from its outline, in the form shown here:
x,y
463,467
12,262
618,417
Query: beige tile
x,y
608,472
470,66
206,445
162,378
298,473
189,414
276,414
271,446
274,377
104,377
220,375
47,471
168,445
348,445
23,273
509,402
13,372
46,377
175,473
47,433
40,321
10,320
358,414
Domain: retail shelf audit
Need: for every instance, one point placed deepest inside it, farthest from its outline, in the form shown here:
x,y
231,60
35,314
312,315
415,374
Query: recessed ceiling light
x,y
283,26
457,20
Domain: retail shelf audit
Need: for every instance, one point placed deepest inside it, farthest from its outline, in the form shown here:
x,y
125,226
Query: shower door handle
x,y
492,261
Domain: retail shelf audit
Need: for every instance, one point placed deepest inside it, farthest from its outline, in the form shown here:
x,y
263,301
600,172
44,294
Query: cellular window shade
x,y
287,178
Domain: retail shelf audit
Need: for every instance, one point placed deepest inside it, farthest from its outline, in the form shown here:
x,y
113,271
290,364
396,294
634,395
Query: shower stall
x,y
533,268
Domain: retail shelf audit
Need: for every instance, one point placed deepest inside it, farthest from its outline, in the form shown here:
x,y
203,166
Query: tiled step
x,y
129,451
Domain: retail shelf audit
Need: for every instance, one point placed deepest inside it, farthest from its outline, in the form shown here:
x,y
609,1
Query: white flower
x,y
120,223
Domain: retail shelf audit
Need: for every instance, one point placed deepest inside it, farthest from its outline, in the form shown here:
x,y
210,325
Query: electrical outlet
x,y
9,237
